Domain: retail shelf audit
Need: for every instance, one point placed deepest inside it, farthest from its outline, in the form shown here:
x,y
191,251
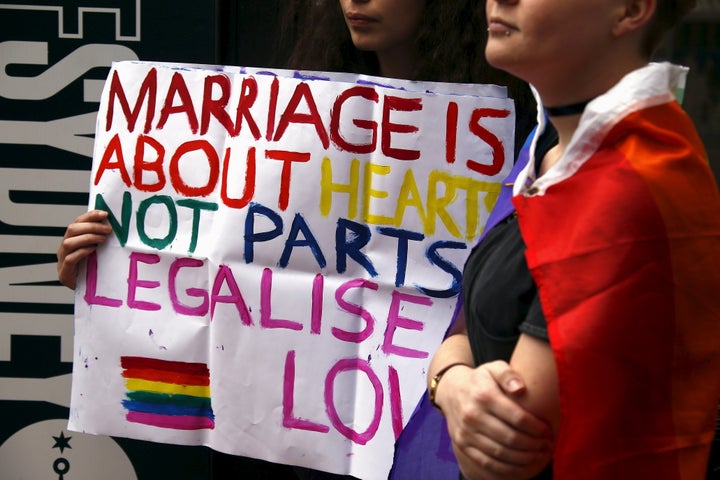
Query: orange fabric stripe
x,y
696,271
178,378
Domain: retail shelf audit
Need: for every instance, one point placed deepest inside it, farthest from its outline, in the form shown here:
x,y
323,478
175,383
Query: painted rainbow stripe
x,y
167,394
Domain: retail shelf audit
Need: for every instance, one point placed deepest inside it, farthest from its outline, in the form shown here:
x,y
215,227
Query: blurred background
x,y
696,44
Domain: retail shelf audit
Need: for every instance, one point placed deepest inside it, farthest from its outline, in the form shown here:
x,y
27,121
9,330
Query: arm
x,y
492,436
81,239
533,359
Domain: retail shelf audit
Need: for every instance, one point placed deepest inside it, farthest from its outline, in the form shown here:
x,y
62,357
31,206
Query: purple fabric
x,y
423,451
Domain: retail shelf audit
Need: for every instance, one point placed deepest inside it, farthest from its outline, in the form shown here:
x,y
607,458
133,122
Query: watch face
x,y
433,388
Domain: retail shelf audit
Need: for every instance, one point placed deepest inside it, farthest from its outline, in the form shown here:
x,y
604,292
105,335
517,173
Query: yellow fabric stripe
x,y
172,388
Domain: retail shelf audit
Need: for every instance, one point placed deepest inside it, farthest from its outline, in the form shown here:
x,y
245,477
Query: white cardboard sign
x,y
286,256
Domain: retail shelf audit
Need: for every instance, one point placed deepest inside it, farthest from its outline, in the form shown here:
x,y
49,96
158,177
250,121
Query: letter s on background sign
x,y
58,76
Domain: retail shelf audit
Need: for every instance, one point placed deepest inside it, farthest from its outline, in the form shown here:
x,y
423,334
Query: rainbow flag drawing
x,y
167,394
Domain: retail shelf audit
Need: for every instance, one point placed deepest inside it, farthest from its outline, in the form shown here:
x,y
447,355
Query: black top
x,y
500,296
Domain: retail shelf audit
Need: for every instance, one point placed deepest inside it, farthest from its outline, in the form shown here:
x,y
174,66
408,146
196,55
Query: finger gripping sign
x,y
286,254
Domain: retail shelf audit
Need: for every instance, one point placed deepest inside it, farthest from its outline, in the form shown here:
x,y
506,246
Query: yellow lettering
x,y
409,196
439,199
436,205
369,193
328,187
443,191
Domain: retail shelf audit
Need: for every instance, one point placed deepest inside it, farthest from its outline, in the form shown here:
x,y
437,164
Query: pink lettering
x,y
134,283
342,366
395,321
289,419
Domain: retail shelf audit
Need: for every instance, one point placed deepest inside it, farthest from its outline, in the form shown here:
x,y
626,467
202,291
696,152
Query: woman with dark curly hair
x,y
432,40
429,40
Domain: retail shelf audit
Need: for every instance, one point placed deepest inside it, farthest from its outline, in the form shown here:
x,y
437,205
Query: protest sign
x,y
286,257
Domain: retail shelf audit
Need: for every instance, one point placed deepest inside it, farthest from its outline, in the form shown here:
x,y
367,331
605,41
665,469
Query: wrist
x,y
435,382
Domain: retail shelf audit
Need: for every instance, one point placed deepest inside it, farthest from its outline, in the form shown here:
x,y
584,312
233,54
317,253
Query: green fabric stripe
x,y
170,399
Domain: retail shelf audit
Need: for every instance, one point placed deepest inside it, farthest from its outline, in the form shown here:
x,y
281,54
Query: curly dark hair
x,y
450,45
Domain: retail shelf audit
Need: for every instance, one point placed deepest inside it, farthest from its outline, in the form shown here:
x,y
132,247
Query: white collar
x,y
654,84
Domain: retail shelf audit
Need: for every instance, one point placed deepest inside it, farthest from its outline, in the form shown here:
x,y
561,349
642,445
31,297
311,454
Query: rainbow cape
x,y
623,241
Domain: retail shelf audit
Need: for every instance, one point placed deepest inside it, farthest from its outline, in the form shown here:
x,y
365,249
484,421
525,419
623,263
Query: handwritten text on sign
x,y
286,256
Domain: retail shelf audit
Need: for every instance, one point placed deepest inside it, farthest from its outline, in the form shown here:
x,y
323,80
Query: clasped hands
x,y
492,435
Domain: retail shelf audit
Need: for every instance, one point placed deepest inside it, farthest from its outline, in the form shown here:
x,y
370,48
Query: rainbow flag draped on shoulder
x,y
623,240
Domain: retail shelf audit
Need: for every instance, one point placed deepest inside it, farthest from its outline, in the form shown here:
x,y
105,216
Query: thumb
x,y
507,379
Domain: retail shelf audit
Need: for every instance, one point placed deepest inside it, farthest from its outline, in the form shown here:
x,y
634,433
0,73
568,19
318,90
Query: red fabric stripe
x,y
608,249
166,365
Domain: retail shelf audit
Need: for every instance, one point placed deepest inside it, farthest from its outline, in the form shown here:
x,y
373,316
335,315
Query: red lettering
x,y
216,107
179,89
291,115
113,150
140,165
336,112
248,95
272,108
451,132
287,158
148,89
248,190
398,104
488,137
213,162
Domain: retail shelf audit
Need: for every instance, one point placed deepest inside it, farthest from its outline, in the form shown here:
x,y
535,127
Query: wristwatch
x,y
435,381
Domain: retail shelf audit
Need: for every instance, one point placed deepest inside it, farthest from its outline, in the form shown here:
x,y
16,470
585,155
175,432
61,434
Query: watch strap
x,y
435,381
